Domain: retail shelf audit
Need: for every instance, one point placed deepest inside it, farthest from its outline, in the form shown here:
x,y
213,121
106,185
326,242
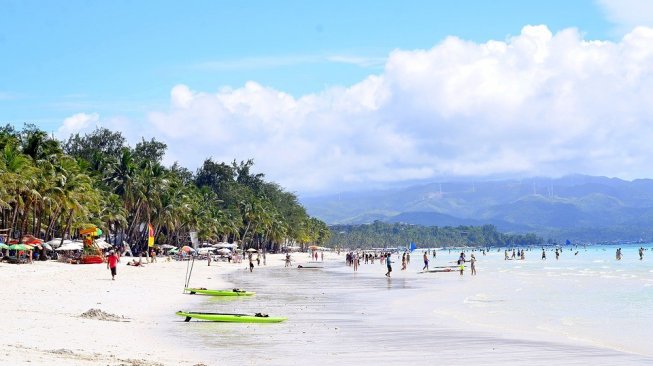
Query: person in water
x,y
388,263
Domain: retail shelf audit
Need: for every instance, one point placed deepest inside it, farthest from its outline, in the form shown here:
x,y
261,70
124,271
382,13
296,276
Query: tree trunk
x,y
13,221
63,235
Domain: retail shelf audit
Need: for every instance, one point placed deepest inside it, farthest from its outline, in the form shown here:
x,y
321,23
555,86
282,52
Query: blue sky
x,y
122,57
333,81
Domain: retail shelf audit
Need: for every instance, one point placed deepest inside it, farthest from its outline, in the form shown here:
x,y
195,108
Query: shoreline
x,y
43,320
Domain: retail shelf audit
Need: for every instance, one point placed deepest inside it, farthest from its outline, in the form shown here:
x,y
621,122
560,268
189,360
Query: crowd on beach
x,y
355,258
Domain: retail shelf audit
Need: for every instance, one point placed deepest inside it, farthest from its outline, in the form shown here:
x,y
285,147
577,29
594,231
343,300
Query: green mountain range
x,y
577,207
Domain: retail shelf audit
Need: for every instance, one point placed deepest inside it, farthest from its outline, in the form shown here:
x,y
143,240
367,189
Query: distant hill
x,y
577,207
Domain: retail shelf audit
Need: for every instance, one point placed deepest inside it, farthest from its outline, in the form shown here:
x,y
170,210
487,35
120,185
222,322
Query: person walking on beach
x,y
403,262
388,263
112,263
355,262
426,262
641,253
287,259
258,259
472,263
543,254
251,262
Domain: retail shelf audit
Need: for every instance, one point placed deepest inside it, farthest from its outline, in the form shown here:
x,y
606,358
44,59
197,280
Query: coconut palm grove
x,y
51,188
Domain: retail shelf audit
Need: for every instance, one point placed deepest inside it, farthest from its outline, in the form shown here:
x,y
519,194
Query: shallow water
x,y
580,309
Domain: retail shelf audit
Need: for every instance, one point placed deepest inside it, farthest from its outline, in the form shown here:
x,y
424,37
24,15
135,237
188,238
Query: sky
x,y
345,95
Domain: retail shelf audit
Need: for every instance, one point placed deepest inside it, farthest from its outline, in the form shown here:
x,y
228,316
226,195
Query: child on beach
x,y
287,259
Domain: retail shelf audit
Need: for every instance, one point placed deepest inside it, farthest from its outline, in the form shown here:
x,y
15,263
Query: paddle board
x,y
231,318
234,292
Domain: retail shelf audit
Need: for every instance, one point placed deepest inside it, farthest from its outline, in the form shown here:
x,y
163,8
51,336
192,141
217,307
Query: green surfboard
x,y
231,318
204,291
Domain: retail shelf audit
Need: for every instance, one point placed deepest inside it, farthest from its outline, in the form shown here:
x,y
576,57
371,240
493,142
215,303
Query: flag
x,y
412,246
150,235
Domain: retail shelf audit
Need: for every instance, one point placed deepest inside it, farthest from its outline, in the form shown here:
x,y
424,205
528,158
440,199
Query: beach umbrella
x,y
224,251
4,246
56,242
187,249
47,246
252,250
205,250
19,247
173,251
70,246
224,245
102,244
313,247
166,246
31,240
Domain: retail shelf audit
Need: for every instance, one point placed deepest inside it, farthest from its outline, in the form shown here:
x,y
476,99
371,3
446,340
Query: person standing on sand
x,y
112,263
388,263
426,262
403,262
472,262
543,254
461,263
355,261
251,263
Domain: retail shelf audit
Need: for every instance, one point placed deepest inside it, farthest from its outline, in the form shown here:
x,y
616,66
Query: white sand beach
x,y
43,303
575,311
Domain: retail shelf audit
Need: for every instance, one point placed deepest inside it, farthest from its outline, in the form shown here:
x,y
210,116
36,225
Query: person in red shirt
x,y
112,263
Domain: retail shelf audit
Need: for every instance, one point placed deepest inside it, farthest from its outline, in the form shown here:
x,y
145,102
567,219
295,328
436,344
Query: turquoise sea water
x,y
581,309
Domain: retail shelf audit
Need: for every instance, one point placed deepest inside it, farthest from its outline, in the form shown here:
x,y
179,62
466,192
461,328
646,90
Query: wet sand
x,y
335,316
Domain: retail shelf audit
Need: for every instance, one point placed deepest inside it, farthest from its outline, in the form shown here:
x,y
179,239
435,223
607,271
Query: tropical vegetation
x,y
388,235
51,188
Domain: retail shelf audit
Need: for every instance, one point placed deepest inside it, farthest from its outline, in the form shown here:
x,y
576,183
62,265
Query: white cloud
x,y
77,123
536,104
628,14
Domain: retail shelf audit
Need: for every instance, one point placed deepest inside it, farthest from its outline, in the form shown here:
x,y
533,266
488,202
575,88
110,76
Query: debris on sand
x,y
101,315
